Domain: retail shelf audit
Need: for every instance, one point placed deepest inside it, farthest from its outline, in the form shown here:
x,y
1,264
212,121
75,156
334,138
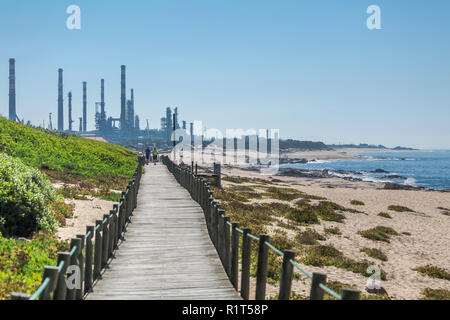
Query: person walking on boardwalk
x,y
155,155
147,154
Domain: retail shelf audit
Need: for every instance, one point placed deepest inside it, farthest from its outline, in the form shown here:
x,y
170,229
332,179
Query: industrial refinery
x,y
123,130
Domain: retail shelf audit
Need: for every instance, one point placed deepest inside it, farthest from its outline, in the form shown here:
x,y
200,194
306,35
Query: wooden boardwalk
x,y
167,252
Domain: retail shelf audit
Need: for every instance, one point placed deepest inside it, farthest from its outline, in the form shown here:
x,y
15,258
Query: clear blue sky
x,y
309,68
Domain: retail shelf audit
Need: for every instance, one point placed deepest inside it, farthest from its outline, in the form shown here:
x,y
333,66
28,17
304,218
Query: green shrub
x,y
309,237
62,154
375,253
357,203
434,272
333,230
399,208
25,194
379,233
385,215
436,294
22,262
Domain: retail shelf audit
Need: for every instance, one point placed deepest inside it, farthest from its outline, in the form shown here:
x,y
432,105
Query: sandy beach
x,y
423,238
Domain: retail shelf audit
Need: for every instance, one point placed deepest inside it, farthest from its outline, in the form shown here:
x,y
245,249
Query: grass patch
x,y
434,272
357,203
22,262
309,237
62,211
338,207
384,215
399,208
322,256
333,230
375,253
436,294
337,286
379,233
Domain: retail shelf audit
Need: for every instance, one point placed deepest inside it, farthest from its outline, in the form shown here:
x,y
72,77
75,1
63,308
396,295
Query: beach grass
x,y
436,294
398,208
379,233
357,203
384,215
375,253
434,272
309,237
333,230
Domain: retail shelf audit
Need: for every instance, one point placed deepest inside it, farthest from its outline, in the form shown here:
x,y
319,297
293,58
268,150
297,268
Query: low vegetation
x,y
399,208
337,286
22,262
434,272
379,233
436,294
357,203
325,255
375,253
333,230
309,237
384,215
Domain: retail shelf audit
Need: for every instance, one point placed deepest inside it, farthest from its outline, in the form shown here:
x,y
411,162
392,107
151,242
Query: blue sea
x,y
429,169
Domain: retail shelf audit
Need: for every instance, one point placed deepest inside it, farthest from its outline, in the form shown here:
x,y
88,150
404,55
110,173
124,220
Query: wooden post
x,y
117,230
246,254
316,292
287,272
111,233
98,249
196,169
350,294
219,176
235,255
52,273
261,273
227,262
220,235
74,242
79,292
61,287
105,247
89,258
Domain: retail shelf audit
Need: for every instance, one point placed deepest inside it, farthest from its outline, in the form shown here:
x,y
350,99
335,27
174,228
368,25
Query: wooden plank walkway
x,y
167,252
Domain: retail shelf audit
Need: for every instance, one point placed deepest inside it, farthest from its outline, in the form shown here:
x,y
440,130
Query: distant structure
x,y
60,101
84,107
123,100
12,90
70,111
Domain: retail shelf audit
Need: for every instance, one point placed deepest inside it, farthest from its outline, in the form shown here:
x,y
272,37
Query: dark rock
x,y
406,233
396,186
394,176
381,171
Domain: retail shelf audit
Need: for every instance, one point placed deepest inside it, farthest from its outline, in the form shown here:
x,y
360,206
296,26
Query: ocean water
x,y
429,169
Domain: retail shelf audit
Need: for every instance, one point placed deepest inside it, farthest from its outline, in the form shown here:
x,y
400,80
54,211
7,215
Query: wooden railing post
x,y
89,258
246,256
316,292
235,255
79,292
61,287
71,292
350,294
105,238
227,263
98,255
261,273
112,233
20,296
287,272
52,273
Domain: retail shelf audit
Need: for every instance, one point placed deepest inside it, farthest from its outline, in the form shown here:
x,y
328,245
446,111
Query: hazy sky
x,y
309,68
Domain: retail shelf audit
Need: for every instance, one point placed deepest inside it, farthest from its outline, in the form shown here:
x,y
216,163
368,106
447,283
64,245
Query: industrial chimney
x,y
60,101
84,107
70,112
102,100
12,90
123,99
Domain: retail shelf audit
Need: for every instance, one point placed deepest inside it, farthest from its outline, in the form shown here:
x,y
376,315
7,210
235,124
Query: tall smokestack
x,y
12,90
123,99
84,107
132,109
70,111
60,101
102,98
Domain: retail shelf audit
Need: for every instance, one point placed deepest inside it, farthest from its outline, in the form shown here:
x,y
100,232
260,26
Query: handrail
x,y
201,193
105,244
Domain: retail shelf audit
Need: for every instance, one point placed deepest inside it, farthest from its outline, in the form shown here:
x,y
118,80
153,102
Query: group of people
x,y
153,152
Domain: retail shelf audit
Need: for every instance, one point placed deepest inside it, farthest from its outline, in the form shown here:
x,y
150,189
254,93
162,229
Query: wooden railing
x,y
89,253
229,239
